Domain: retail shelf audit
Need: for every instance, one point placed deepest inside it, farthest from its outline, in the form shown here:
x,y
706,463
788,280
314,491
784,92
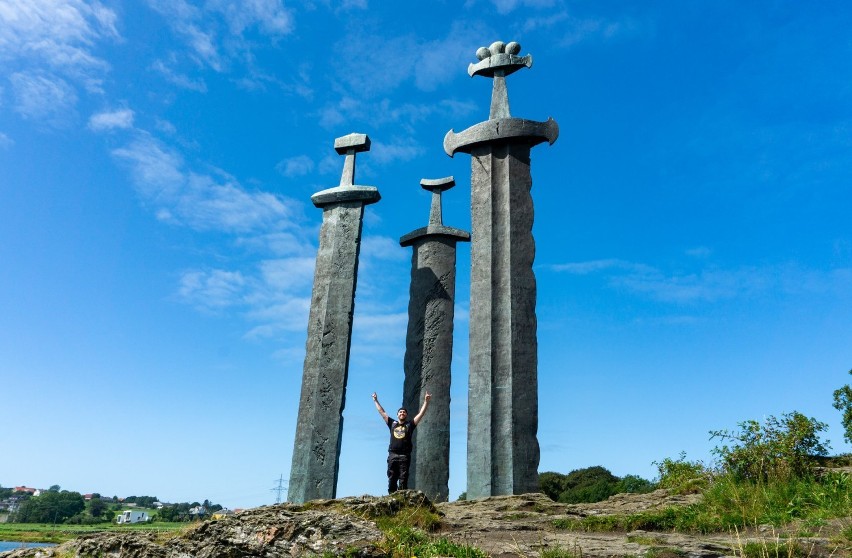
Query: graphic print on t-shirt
x,y
399,431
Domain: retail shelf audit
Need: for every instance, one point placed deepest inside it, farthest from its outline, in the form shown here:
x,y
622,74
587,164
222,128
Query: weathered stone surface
x,y
316,452
271,532
429,344
519,526
502,443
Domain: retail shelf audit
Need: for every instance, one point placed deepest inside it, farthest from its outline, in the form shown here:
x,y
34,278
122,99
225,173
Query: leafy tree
x,y
634,484
843,403
591,484
779,449
50,507
54,488
552,484
97,507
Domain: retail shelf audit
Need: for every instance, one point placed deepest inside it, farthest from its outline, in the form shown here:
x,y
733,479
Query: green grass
x,y
407,542
46,532
728,504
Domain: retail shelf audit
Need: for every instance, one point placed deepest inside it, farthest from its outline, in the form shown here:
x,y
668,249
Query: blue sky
x,y
157,240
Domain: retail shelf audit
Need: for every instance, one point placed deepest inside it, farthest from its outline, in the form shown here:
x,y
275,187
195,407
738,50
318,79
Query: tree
x,y
50,507
591,484
843,403
97,507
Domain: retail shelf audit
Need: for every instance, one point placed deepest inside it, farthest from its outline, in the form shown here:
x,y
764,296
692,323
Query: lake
x,y
12,545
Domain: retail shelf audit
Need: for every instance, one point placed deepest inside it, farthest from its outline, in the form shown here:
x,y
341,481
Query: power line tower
x,y
280,486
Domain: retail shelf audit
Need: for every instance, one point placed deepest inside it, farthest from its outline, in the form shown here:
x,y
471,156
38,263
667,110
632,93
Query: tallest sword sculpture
x,y
502,444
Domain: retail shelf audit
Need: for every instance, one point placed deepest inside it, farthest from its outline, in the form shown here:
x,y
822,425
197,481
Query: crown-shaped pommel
x,y
499,57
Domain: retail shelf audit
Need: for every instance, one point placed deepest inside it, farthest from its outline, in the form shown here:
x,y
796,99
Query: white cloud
x,y
269,16
5,141
201,201
584,268
117,119
387,61
383,248
713,284
59,34
288,274
404,150
705,285
215,30
42,97
299,165
179,79
281,243
507,6
212,290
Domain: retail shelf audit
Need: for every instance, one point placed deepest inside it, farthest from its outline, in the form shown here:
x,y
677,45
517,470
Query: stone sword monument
x,y
429,343
316,451
502,443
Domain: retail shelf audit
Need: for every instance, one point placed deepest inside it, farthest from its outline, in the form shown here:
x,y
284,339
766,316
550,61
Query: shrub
x,y
681,476
779,449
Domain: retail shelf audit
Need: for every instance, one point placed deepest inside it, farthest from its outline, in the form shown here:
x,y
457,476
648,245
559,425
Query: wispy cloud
x,y
5,141
202,201
181,80
212,290
58,37
592,266
110,120
385,61
678,287
300,165
712,284
40,96
398,151
215,31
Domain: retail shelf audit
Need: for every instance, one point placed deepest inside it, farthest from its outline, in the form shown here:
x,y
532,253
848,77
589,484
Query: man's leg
x,y
403,471
393,473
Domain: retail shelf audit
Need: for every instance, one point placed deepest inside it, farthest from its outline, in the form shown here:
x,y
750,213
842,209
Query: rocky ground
x,y
503,526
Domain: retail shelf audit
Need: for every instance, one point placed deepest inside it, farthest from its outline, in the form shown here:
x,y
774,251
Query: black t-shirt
x,y
400,436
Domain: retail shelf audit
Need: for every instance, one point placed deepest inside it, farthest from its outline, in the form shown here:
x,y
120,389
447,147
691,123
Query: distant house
x,y
26,489
221,514
132,516
158,505
198,512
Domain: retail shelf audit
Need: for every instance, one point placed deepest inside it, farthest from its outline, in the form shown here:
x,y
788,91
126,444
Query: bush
x,y
780,449
681,476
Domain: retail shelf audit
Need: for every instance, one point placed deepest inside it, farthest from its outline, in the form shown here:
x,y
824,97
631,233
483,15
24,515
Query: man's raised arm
x,y
422,412
379,407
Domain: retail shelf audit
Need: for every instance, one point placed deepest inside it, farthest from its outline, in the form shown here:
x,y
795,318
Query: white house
x,y
132,516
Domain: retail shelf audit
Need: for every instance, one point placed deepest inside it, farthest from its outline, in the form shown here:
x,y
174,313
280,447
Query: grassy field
x,y
45,532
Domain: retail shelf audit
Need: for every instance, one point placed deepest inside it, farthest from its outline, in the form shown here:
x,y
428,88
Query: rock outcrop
x,y
521,526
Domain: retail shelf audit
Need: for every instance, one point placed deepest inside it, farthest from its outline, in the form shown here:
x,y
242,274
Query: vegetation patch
x,y
592,484
560,552
407,542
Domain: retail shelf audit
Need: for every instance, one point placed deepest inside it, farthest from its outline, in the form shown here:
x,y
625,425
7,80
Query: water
x,y
12,545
